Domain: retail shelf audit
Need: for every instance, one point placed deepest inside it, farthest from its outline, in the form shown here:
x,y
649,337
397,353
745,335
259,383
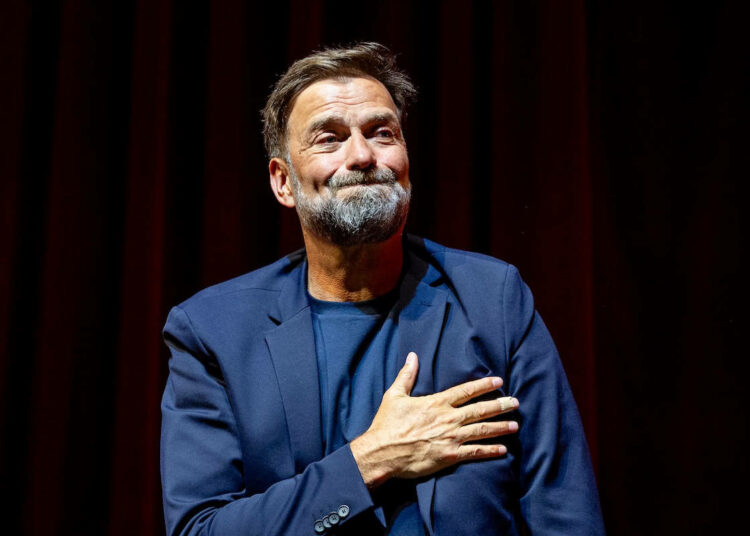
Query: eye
x,y
384,133
326,139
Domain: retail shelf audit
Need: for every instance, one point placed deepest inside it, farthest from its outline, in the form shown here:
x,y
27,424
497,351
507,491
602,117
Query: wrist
x,y
365,452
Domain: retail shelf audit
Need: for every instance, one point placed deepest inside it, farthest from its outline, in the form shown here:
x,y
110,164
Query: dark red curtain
x,y
600,148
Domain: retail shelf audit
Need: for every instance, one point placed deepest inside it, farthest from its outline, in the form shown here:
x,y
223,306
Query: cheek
x,y
317,171
400,164
396,158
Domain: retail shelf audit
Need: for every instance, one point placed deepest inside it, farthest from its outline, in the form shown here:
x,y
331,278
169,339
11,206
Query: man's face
x,y
349,168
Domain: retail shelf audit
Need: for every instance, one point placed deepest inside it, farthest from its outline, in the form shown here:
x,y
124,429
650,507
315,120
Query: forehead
x,y
345,97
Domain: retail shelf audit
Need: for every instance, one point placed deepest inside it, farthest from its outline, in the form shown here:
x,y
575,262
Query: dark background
x,y
601,147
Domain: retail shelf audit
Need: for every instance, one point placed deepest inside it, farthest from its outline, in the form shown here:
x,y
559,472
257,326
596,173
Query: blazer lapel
x,y
421,320
292,348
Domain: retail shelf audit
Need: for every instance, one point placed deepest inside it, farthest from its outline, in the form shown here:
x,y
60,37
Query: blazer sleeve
x,y
202,463
558,488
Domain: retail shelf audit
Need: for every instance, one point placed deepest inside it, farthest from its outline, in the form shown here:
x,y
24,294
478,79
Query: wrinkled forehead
x,y
348,97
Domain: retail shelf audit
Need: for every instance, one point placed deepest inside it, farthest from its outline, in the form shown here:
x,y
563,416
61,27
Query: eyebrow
x,y
324,123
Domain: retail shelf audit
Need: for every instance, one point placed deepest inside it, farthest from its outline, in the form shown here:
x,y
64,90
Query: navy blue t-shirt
x,y
356,345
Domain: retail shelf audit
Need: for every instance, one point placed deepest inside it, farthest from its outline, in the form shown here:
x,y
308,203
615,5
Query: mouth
x,y
349,190
384,177
362,182
359,184
352,188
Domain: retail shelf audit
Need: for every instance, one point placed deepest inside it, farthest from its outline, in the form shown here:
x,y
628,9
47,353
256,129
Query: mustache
x,y
358,177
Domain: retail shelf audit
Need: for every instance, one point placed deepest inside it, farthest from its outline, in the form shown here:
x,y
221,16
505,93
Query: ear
x,y
278,173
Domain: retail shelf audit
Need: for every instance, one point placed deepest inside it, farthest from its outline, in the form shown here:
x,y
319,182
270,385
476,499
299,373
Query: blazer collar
x,y
293,291
419,282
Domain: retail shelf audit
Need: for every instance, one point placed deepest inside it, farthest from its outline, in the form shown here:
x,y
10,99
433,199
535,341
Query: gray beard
x,y
367,215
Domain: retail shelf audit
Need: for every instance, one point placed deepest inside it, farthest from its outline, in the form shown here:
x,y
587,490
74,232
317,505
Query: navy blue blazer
x,y
241,448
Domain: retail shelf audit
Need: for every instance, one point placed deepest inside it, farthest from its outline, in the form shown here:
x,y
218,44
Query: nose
x,y
359,152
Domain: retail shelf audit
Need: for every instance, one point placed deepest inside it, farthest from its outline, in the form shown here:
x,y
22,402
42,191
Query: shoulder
x,y
480,283
457,264
269,278
486,296
255,288
239,308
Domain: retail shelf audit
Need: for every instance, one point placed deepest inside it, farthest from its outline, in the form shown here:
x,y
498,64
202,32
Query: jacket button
x,y
320,528
343,511
326,523
333,518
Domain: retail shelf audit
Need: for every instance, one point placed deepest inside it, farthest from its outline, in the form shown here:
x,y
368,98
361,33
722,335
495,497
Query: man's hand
x,y
417,436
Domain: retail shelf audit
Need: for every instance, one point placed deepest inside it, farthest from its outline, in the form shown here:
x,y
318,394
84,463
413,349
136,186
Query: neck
x,y
352,273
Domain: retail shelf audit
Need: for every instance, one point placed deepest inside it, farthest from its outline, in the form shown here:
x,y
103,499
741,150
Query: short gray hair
x,y
361,59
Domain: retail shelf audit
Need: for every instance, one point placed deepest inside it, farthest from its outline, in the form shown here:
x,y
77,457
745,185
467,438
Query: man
x,y
355,387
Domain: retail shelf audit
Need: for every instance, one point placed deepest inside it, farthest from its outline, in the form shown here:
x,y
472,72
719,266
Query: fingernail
x,y
410,358
497,382
502,449
512,426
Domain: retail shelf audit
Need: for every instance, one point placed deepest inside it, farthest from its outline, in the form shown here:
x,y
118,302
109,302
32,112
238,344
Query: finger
x,y
486,430
480,452
462,393
478,411
404,382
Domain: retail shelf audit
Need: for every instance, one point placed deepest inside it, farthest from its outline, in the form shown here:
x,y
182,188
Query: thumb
x,y
407,375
